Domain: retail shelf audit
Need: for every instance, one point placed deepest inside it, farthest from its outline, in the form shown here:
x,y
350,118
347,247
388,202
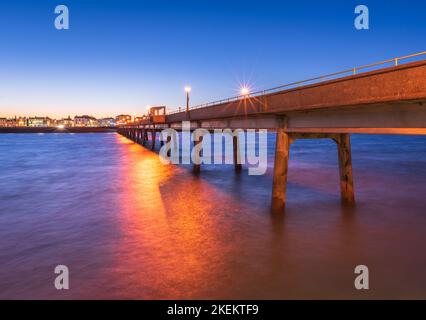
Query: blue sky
x,y
121,55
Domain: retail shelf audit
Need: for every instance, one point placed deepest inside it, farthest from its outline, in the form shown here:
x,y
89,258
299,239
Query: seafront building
x,y
85,121
22,122
39,122
14,122
66,122
106,122
123,119
77,121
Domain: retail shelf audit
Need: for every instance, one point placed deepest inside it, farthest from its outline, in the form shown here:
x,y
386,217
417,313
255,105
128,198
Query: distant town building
x,y
22,122
3,122
106,122
85,121
13,122
66,122
123,119
39,122
77,121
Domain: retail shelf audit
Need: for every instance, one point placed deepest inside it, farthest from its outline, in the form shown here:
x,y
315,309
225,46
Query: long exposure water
x,y
128,226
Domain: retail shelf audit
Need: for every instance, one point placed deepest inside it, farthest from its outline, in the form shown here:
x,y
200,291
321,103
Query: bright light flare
x,y
61,126
245,91
188,89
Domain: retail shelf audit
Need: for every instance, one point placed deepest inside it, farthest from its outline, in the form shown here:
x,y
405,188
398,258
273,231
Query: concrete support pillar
x,y
140,136
169,152
282,153
345,169
237,153
153,135
197,157
143,137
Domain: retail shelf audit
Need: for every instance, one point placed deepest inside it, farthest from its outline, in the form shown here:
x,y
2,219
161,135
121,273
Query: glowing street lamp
x,y
245,91
187,90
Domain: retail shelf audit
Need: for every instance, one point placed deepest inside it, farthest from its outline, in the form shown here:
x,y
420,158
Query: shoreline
x,y
56,130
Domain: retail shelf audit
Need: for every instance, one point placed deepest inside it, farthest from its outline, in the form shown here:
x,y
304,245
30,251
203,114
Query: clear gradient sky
x,y
121,55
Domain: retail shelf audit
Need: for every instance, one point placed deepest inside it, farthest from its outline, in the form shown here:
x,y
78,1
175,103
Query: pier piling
x,y
237,153
345,169
153,136
282,153
197,156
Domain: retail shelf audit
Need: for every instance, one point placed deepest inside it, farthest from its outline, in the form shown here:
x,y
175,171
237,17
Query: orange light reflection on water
x,y
168,227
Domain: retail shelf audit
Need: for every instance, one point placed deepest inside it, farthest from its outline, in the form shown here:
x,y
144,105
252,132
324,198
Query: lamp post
x,y
187,90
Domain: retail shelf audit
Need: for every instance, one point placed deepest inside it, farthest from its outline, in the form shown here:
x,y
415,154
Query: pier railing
x,y
353,71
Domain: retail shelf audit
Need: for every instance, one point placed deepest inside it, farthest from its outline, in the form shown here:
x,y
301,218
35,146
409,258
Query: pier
x,y
390,100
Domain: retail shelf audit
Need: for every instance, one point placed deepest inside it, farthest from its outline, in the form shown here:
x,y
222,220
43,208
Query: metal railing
x,y
352,71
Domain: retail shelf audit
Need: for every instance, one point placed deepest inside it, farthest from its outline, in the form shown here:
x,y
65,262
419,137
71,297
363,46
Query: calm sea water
x,y
128,226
